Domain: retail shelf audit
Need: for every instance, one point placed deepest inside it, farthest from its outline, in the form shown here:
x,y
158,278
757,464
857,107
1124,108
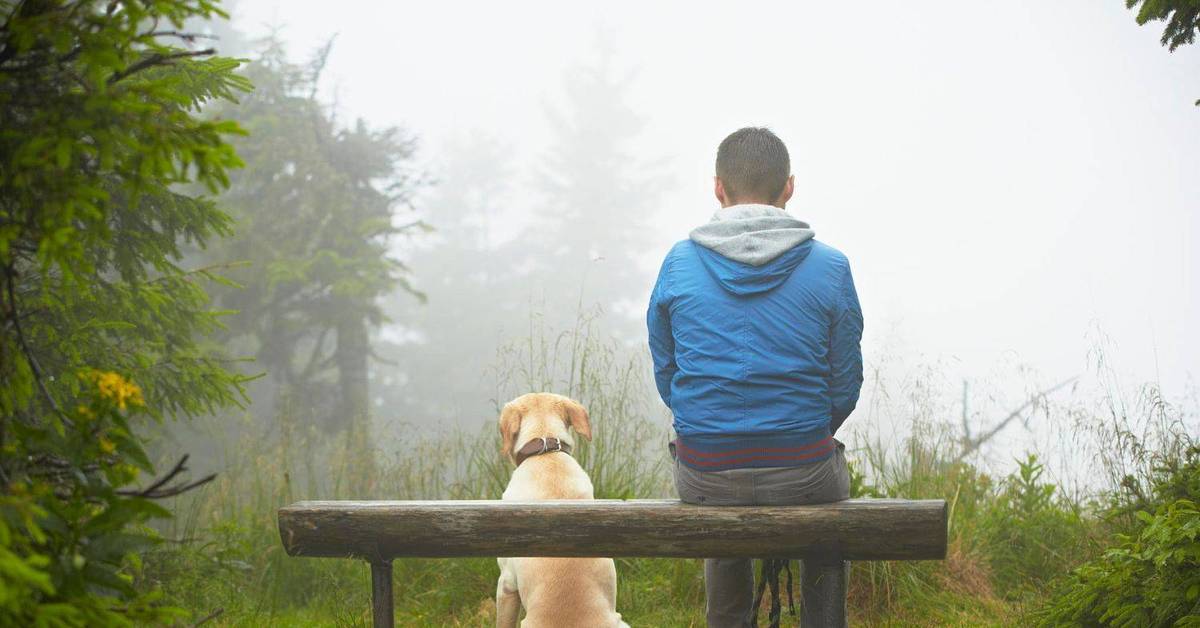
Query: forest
x,y
219,295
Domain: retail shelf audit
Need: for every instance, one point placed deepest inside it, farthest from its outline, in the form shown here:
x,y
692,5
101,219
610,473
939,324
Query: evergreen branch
x,y
157,60
202,270
188,37
15,317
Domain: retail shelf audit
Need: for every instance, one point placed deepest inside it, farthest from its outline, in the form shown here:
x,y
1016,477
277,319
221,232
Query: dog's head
x,y
538,415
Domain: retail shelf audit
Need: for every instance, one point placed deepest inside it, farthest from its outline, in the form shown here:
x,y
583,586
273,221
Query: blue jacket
x,y
760,365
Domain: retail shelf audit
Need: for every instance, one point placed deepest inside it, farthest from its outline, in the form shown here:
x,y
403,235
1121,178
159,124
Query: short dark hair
x,y
753,164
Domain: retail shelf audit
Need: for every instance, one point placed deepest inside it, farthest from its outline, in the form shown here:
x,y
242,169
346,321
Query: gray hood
x,y
752,234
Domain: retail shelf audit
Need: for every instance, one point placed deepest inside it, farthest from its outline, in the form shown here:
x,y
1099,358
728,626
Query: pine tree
x,y
598,194
315,209
101,329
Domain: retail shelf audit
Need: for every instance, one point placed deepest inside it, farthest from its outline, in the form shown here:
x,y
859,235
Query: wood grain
x,y
858,529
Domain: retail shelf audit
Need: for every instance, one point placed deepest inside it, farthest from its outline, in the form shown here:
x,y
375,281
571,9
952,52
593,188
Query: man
x,y
754,331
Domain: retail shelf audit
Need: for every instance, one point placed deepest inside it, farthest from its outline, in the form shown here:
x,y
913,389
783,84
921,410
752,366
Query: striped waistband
x,y
736,451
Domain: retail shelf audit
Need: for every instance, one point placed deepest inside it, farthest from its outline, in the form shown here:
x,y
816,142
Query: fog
x,y
1014,183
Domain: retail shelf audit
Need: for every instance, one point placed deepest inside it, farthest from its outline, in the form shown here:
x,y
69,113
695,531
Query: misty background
x,y
1015,185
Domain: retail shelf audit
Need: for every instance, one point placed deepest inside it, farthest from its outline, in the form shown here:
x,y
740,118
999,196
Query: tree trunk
x,y
352,415
351,358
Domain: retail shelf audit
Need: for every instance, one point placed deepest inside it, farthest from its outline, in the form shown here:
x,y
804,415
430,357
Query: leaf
x,y
62,153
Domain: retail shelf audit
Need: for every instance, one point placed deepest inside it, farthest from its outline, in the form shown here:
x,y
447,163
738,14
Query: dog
x,y
555,592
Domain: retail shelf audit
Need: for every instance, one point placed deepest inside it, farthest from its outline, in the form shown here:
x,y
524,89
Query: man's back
x,y
755,357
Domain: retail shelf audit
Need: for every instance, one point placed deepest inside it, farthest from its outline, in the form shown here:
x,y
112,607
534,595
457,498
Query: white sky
x,y
1006,178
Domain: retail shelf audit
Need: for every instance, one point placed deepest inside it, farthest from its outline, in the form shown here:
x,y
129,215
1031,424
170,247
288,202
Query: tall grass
x,y
1009,536
627,458
223,550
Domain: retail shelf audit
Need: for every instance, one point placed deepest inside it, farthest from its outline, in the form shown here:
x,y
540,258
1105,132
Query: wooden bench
x,y
822,536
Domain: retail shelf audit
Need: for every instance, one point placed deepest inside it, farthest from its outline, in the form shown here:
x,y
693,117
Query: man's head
x,y
753,167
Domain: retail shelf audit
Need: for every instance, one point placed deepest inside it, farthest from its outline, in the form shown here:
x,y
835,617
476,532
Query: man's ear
x,y
577,418
510,426
788,189
719,192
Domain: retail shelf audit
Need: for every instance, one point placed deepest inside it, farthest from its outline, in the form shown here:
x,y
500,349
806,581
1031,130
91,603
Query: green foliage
x,y
1182,18
860,485
70,531
1151,576
1171,478
98,129
1031,535
98,126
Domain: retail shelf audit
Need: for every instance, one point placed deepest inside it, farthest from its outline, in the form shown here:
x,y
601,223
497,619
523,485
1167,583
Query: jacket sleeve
x,y
662,343
845,353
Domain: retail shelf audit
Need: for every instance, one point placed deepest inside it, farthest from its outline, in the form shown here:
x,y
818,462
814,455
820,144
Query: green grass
x,y
1009,537
232,558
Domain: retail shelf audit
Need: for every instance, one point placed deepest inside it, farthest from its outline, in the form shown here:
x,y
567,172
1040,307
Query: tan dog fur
x,y
556,592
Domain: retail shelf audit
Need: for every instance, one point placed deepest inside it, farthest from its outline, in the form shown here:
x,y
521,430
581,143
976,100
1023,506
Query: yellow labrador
x,y
556,592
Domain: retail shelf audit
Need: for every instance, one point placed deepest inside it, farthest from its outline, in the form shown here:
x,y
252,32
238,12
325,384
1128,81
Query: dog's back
x,y
556,592
564,592
549,476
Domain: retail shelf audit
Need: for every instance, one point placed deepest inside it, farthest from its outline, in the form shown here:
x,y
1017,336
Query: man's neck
x,y
773,204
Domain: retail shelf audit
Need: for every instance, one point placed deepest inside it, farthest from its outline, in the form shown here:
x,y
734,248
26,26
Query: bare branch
x,y
209,617
181,488
157,490
972,445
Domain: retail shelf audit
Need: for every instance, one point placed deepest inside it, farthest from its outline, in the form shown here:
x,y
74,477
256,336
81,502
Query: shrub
x,y
1030,534
1151,576
72,531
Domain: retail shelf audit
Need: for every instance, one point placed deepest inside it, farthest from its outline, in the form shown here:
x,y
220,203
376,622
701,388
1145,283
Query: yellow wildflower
x,y
118,389
107,446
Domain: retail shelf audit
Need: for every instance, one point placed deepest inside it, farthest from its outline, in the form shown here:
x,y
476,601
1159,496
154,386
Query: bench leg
x,y
382,612
823,592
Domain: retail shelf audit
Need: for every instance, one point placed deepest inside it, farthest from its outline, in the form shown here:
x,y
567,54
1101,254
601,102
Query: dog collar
x,y
539,446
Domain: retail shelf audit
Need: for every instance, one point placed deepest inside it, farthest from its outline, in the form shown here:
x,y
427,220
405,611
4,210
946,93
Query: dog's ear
x,y
510,426
577,418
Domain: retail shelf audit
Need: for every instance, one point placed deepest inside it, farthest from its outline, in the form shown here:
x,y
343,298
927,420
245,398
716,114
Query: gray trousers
x,y
729,582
